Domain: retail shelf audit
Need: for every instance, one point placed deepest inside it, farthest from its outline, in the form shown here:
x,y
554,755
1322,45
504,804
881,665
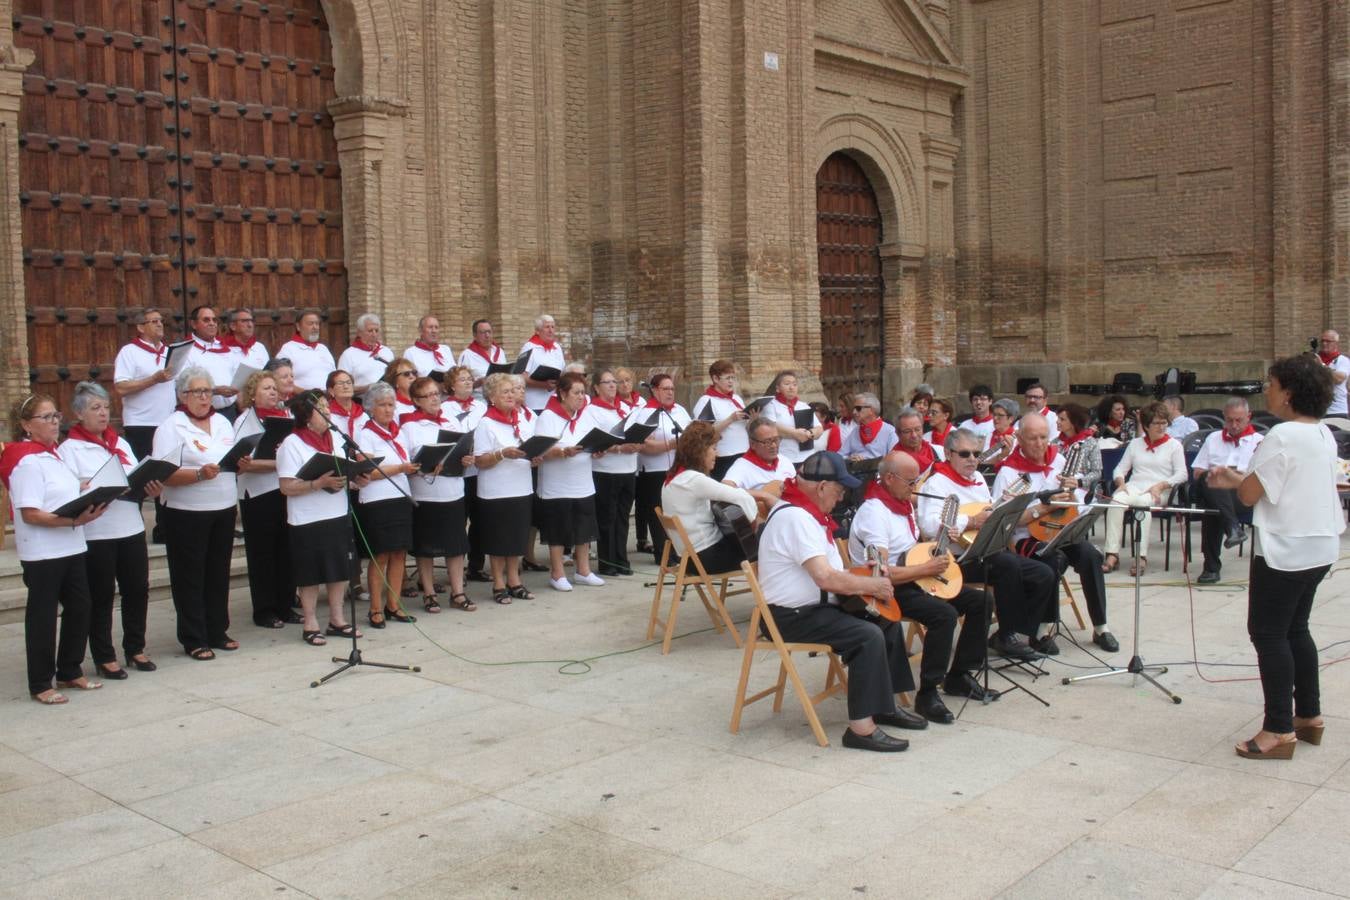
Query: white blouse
x,y
365,367
613,462
122,518
1299,519
425,487
253,484
198,449
688,495
669,426
310,366
43,481
568,477
394,486
509,477
1143,468
733,440
788,448
465,420
315,506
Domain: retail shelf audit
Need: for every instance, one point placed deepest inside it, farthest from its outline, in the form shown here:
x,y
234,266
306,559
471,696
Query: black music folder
x,y
537,445
805,418
320,464
242,447
89,499
148,470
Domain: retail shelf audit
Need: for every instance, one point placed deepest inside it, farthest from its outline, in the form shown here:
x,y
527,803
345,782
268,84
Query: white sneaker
x,y
560,584
590,578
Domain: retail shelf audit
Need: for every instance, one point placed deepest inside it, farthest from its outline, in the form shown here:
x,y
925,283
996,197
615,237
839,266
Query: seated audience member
x,y
872,437
802,575
909,428
1230,447
886,519
1339,364
1153,464
1178,423
688,493
1114,420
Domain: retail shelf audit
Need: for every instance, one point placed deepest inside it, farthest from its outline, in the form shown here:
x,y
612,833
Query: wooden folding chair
x,y
689,572
1067,599
836,681
914,631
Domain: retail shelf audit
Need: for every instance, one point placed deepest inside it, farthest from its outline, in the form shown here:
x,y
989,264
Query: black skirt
x,y
438,529
386,526
505,525
321,552
567,521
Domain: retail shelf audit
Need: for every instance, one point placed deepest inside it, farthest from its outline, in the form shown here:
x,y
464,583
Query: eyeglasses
x,y
153,322
344,382
860,408
909,481
966,454
48,417
772,440
405,374
606,383
198,392
436,394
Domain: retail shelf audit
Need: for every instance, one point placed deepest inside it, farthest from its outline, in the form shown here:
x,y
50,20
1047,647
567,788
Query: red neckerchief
x,y
466,404
937,439
300,339
373,351
634,400
977,420
900,507
271,412
107,440
351,414
868,433
230,340
833,440
16,451
1083,435
999,435
795,496
555,406
1020,463
406,401
945,469
758,461
540,342
513,420
674,470
205,349
433,349
714,392
418,415
1327,358
201,420
925,456
615,407
321,441
388,437
486,354
1150,446
1115,424
158,351
1046,412
790,404
1250,429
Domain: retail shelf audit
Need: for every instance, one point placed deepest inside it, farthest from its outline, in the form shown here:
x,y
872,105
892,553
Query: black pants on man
x,y
1086,561
939,617
1213,529
1024,591
873,652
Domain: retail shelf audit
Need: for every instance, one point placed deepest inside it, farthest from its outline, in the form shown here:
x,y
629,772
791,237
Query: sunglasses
x,y
966,454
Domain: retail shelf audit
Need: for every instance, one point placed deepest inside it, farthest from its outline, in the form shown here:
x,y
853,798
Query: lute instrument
x,y
1048,524
970,510
873,607
948,584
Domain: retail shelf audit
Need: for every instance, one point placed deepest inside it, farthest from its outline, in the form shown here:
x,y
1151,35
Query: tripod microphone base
x,y
353,660
1135,667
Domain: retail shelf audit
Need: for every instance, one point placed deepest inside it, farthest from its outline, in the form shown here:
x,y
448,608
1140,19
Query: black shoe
x,y
104,672
1107,641
644,547
878,741
293,618
1236,537
903,718
966,685
1209,576
142,665
478,575
1046,645
608,570
270,622
1013,647
527,565
929,705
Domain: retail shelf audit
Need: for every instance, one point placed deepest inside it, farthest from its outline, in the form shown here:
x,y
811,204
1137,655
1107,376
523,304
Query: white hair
x,y
366,319
962,436
189,375
85,392
1237,403
378,392
539,322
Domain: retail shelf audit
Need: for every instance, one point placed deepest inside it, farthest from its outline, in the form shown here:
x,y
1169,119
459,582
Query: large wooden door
x,y
173,153
848,242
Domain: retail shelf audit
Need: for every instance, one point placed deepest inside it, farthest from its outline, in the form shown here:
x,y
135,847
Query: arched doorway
x,y
173,153
848,241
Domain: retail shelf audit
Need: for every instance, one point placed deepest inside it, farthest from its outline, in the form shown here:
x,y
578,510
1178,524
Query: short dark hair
x,y
302,407
721,367
196,310
473,329
566,380
1308,382
981,390
1078,415
658,379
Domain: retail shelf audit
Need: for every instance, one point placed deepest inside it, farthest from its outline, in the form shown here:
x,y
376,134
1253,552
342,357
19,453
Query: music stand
x,y
994,537
1075,531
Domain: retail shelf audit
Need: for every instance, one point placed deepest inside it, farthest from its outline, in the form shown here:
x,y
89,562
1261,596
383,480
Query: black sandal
x,y
398,615
201,654
373,622
531,566
466,604
429,603
519,592
313,638
502,596
344,631
228,644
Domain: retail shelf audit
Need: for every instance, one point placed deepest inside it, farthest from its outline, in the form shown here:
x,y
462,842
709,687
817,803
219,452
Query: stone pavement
x,y
235,779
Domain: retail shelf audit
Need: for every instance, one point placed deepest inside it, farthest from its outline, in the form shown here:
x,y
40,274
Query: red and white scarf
x,y
389,437
540,342
373,351
946,470
1230,439
433,349
321,441
794,495
1150,446
487,354
107,440
418,415
1017,462
157,351
555,406
904,508
714,392
16,451
513,420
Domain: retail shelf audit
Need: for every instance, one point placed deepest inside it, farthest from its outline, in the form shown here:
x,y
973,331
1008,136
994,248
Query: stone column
x,y
13,322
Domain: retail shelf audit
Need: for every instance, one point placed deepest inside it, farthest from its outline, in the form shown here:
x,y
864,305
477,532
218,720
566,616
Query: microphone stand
x,y
354,658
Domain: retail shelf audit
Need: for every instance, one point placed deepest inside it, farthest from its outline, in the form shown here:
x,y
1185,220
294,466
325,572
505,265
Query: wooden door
x,y
848,242
173,153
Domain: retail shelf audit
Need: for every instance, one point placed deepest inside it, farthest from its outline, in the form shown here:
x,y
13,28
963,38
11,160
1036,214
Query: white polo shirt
x,y
122,518
746,474
310,366
569,477
1338,405
364,366
1215,451
152,405
253,484
198,449
930,510
613,462
984,429
217,359
509,477
875,525
734,440
790,537
537,398
778,412
374,445
255,357
315,506
43,481
670,424
438,489
1298,518
425,361
478,363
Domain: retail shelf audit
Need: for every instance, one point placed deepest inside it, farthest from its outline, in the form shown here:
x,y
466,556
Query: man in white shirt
x,y
243,343
886,520
214,357
366,359
1178,423
981,419
801,573
909,429
143,383
1232,447
1035,397
480,354
544,351
1339,364
311,361
428,354
872,437
762,463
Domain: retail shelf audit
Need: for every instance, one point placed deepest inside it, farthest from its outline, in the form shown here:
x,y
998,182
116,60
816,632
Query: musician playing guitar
x,y
801,574
886,519
760,465
1023,587
1044,465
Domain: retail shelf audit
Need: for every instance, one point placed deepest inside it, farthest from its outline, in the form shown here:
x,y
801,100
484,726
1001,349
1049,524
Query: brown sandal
x,y
429,603
1112,563
1139,566
466,604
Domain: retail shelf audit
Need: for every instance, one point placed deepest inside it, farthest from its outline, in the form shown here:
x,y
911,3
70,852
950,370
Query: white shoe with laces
x,y
589,578
560,584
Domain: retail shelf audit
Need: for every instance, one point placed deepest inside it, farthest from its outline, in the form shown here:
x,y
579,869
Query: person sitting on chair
x,y
689,492
801,573
886,520
1178,423
762,464
872,436
1231,447
909,426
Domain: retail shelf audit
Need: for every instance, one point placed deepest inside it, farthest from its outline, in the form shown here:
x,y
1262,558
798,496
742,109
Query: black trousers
x,y
52,582
1278,604
198,546
1024,591
124,564
1087,562
613,505
141,439
724,556
474,562
267,547
1213,529
939,617
875,655
649,486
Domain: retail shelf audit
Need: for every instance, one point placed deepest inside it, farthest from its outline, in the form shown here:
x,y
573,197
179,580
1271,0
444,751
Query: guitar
x,y
731,520
1045,526
948,584
873,607
969,510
